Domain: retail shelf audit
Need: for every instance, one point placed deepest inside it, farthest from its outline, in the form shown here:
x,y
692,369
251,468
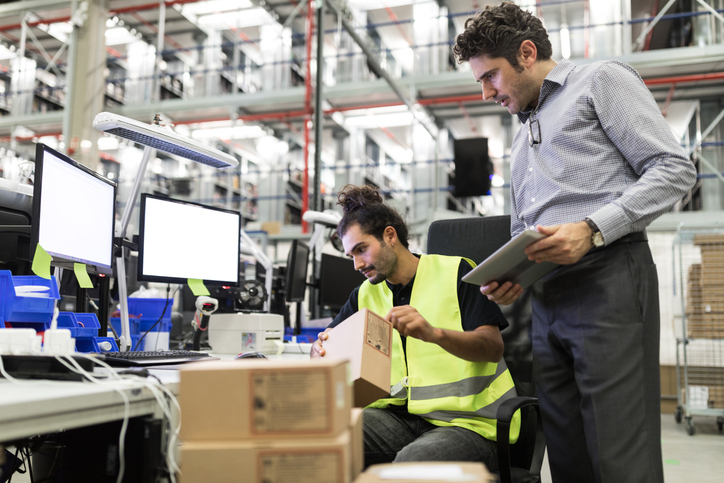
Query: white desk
x,y
44,407
51,406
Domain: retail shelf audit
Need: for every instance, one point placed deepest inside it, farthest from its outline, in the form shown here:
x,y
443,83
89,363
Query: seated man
x,y
448,376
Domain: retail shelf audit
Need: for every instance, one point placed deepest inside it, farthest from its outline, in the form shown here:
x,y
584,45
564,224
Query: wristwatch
x,y
596,236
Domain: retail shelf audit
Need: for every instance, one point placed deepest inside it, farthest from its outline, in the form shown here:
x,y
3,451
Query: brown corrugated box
x,y
705,295
325,460
357,446
364,339
262,399
476,472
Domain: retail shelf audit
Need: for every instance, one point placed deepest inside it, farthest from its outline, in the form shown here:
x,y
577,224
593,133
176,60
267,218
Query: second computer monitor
x,y
296,275
179,240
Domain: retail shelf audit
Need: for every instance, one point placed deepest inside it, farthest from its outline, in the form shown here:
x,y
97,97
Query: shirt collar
x,y
555,78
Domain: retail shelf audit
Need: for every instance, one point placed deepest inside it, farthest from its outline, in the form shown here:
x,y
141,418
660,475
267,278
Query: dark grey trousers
x,y
393,434
596,361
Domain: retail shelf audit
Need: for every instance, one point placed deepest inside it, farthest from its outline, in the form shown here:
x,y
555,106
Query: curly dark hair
x,y
497,31
365,207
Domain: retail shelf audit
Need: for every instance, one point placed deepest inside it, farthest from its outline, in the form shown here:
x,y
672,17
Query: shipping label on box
x,y
365,340
301,466
261,399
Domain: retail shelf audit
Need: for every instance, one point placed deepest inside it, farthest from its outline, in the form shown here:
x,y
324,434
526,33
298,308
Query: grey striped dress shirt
x,y
596,146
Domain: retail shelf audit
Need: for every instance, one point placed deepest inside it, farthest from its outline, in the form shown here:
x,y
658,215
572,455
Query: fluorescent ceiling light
x,y
59,30
108,143
377,4
382,120
23,132
119,36
214,6
377,110
565,42
238,132
250,17
6,53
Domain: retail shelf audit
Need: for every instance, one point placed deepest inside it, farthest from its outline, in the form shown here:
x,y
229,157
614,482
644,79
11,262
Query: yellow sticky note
x,y
81,274
197,287
41,262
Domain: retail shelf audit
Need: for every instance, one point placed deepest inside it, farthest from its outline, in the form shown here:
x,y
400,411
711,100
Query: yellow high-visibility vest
x,y
440,387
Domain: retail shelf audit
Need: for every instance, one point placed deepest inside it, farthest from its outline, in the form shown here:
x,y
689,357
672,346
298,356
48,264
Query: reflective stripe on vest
x,y
446,390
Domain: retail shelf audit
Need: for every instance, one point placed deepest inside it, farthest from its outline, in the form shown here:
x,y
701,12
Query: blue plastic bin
x,y
149,308
146,323
81,325
132,325
307,334
16,308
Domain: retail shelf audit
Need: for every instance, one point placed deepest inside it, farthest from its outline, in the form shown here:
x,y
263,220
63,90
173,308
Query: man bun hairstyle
x,y
497,31
364,206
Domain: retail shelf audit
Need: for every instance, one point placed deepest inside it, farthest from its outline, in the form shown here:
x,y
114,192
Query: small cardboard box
x,y
365,340
326,460
272,227
357,446
426,472
263,399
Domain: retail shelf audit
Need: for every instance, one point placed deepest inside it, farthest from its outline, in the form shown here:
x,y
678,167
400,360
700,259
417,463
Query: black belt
x,y
639,236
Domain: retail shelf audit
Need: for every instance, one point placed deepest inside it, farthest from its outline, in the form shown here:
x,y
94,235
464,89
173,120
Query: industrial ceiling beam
x,y
340,7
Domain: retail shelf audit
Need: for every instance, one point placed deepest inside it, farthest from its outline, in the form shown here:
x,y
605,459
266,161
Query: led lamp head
x,y
163,139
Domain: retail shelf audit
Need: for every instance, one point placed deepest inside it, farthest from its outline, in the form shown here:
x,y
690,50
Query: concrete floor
x,y
687,459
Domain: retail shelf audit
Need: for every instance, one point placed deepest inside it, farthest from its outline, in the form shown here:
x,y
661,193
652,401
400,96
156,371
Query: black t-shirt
x,y
475,309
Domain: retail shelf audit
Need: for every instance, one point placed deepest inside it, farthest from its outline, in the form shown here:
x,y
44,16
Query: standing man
x,y
593,164
448,376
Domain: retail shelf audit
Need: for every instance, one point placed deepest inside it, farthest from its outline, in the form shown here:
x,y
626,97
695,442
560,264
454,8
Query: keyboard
x,y
154,358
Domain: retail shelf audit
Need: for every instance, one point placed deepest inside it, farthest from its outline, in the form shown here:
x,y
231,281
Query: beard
x,y
384,265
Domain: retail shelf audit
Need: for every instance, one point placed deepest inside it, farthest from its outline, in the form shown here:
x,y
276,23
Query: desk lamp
x,y
152,136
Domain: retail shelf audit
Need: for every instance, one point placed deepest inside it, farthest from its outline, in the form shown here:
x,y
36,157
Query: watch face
x,y
597,239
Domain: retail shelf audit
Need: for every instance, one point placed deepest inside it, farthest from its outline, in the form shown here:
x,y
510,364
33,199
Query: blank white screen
x,y
76,213
188,241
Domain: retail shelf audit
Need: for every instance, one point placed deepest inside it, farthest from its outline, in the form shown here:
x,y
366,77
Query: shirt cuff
x,y
612,222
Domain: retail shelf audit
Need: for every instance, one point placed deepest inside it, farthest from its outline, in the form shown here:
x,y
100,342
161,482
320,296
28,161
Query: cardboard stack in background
x,y
269,421
365,340
705,294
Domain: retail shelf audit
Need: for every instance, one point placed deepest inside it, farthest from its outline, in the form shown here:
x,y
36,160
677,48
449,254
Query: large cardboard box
x,y
426,472
365,340
326,460
263,399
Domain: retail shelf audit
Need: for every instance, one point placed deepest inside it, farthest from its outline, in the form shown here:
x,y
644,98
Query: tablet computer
x,y
511,264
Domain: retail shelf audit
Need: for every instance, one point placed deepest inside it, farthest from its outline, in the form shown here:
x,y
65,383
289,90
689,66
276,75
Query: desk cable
x,y
165,399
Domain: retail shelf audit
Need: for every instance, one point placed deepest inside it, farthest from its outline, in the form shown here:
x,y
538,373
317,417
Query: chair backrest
x,y
478,238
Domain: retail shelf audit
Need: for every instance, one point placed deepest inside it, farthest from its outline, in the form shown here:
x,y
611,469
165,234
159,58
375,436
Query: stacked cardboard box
x,y
269,421
426,472
705,296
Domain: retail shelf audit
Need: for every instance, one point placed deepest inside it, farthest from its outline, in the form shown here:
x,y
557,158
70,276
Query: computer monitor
x,y
338,278
296,274
180,240
74,209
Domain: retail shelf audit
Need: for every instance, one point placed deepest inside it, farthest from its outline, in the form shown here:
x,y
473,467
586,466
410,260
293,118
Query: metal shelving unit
x,y
699,265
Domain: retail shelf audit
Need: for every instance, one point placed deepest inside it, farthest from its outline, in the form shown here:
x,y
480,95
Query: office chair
x,y
477,238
